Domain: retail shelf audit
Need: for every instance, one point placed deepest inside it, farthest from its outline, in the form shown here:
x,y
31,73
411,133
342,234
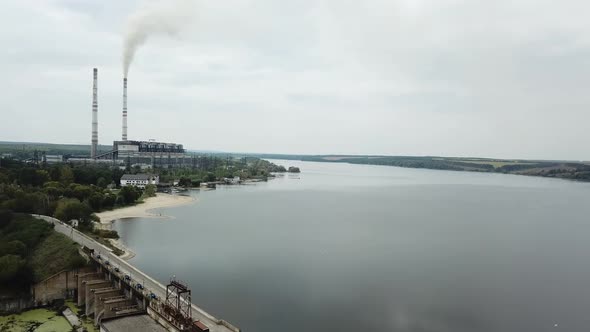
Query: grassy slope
x,y
55,253
47,252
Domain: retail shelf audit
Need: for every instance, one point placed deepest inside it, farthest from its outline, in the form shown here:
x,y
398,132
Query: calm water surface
x,y
373,248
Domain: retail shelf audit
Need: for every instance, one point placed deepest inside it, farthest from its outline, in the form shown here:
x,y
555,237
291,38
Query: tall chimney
x,y
125,108
94,144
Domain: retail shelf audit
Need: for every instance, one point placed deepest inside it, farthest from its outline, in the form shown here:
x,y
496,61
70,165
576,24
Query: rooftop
x,y
137,323
137,176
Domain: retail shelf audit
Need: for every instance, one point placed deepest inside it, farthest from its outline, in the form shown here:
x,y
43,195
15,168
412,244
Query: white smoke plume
x,y
163,17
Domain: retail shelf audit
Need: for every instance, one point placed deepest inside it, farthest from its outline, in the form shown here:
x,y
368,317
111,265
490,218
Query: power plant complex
x,y
134,152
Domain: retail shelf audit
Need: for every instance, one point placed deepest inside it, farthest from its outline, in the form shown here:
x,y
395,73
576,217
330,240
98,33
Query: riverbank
x,y
560,169
145,209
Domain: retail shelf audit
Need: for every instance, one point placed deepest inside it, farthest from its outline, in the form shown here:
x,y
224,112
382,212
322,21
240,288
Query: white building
x,y
234,180
139,180
54,158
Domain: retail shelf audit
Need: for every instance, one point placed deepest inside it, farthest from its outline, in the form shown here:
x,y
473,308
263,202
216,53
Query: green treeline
x,y
26,150
76,191
557,169
564,170
214,168
64,191
31,251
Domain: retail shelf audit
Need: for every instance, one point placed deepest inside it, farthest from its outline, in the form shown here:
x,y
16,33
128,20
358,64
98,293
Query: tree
x,y
53,189
129,194
5,217
150,190
10,267
95,201
81,192
4,178
184,182
66,175
68,209
209,177
109,200
32,177
35,202
102,182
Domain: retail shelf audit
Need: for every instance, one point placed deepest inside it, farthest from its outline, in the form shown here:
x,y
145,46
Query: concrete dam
x,y
119,297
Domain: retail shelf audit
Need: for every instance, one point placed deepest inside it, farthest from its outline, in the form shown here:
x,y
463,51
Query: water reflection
x,y
369,248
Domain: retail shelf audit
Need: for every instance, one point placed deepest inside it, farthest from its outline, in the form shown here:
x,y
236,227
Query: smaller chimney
x,y
94,142
124,108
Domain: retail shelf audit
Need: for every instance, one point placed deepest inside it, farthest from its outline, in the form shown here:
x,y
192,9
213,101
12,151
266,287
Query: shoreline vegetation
x,y
89,196
217,165
568,170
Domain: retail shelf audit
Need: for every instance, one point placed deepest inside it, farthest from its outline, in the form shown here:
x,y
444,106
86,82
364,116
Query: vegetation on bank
x,y
53,254
67,192
74,192
30,251
216,168
555,169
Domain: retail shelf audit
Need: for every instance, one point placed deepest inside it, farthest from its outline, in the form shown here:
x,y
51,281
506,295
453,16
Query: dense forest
x,y
64,191
31,251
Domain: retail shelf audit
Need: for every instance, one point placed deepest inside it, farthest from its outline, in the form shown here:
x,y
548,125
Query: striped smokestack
x,y
124,108
94,145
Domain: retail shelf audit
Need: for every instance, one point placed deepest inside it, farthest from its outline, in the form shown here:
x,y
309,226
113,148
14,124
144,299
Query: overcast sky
x,y
502,78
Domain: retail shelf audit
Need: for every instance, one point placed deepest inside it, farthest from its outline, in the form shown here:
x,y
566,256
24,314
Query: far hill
x,y
574,170
26,149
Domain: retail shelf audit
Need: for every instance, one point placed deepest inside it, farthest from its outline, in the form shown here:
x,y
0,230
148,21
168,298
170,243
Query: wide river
x,y
344,247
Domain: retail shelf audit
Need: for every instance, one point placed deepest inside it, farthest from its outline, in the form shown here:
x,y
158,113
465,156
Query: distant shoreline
x,y
145,209
565,170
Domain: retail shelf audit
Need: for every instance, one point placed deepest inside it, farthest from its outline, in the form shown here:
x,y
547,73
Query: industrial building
x,y
53,158
152,153
132,152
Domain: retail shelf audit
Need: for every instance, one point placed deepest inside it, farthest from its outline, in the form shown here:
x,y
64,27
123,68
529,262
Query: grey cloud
x,y
411,77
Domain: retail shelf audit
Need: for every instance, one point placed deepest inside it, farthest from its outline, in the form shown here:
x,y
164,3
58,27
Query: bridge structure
x,y
116,288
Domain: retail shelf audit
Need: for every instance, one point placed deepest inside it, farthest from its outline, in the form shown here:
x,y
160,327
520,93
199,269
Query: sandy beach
x,y
145,209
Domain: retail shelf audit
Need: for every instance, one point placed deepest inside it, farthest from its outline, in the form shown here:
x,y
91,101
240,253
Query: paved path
x,y
137,276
